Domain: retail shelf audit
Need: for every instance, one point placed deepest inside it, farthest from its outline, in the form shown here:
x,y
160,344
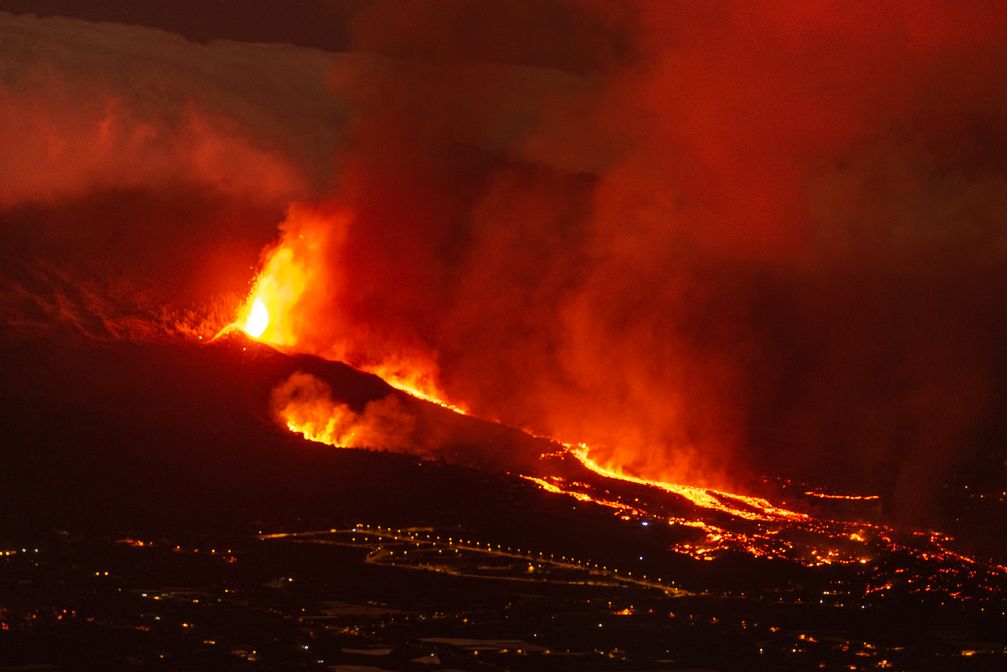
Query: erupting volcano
x,y
305,405
502,335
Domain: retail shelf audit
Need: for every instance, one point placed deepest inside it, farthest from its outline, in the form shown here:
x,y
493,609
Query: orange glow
x,y
280,310
315,416
751,508
268,314
581,496
774,533
257,320
824,495
304,405
296,304
417,385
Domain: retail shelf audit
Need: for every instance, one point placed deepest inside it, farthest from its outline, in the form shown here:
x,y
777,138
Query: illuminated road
x,y
423,549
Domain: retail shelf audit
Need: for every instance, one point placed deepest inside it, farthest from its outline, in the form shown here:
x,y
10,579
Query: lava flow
x,y
314,415
706,523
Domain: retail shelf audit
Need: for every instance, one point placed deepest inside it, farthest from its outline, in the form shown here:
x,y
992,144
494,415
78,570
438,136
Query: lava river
x,y
810,528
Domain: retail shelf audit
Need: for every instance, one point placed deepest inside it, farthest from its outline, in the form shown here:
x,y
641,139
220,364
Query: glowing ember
x,y
258,319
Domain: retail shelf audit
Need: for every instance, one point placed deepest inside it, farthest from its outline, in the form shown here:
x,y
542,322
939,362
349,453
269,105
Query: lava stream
x,y
759,528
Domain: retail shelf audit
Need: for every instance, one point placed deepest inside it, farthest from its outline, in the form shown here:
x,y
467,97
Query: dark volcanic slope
x,y
117,438
115,434
173,444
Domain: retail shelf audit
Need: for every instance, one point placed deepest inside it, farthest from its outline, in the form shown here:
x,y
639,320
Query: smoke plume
x,y
710,239
133,157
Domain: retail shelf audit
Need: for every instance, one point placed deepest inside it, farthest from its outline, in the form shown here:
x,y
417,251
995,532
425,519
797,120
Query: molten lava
x,y
279,310
294,306
257,320
751,508
275,312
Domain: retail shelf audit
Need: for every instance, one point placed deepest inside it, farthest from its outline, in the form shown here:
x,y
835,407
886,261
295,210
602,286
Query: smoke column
x,y
712,239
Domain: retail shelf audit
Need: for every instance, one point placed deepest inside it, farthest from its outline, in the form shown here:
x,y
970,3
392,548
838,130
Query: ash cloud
x,y
91,106
132,156
714,239
748,239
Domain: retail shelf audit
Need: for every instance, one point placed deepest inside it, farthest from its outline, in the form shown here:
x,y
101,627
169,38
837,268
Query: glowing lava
x,y
416,387
279,310
304,405
273,312
750,508
293,306
257,320
851,498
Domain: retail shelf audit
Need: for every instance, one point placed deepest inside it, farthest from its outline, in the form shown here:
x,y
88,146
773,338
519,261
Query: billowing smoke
x,y
305,404
133,157
712,239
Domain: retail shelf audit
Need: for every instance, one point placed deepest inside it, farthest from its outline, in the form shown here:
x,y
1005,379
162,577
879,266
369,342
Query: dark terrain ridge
x,y
173,442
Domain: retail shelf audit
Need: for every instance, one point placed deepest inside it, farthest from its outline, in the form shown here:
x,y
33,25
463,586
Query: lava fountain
x,y
257,320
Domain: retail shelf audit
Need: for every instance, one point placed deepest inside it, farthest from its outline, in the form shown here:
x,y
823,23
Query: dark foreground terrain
x,y
154,515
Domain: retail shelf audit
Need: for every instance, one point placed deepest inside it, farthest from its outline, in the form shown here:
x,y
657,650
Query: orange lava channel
x,y
759,508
